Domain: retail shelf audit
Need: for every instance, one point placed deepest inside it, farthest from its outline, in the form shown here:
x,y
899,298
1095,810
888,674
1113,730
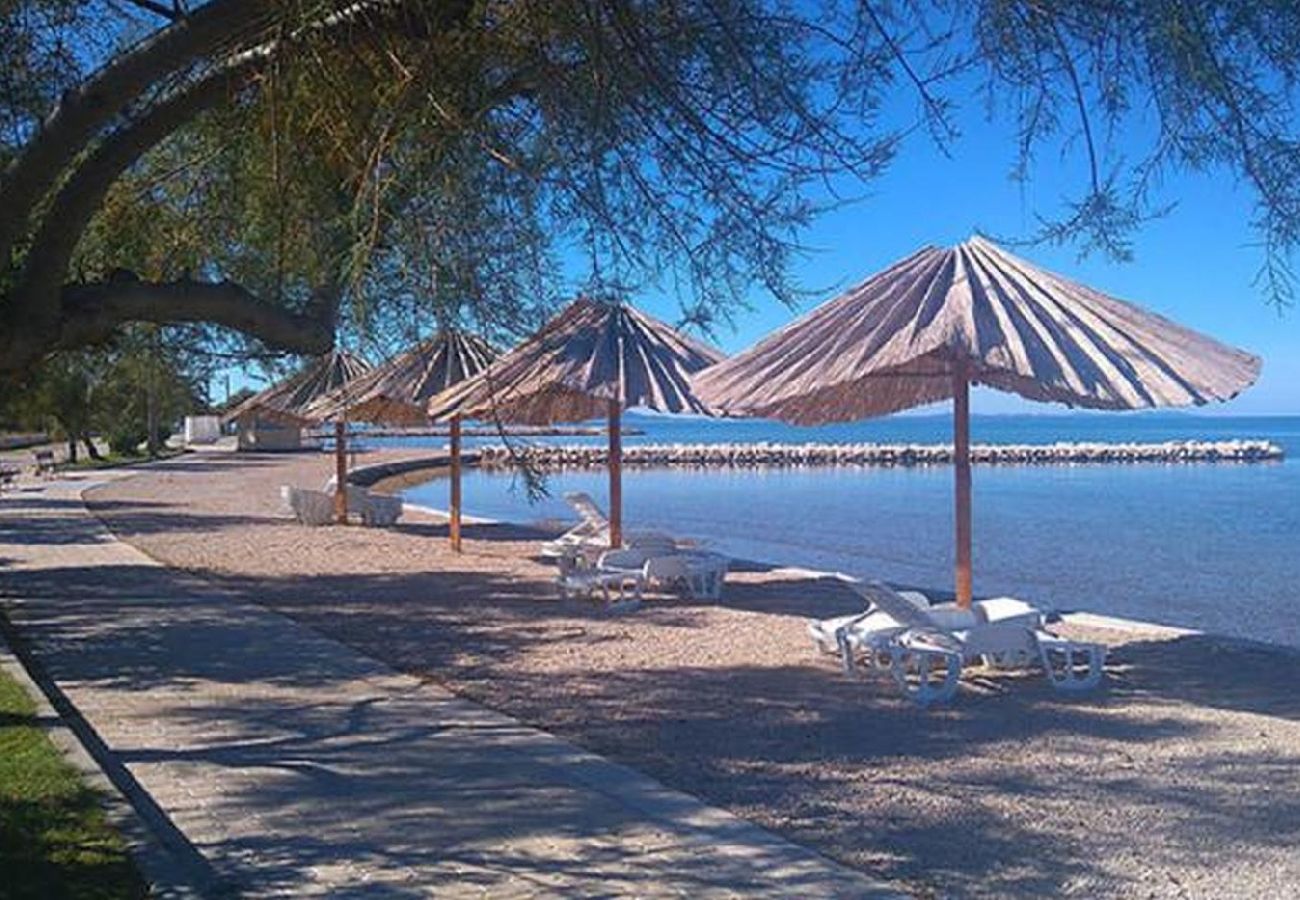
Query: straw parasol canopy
x,y
892,343
593,359
590,354
292,398
398,391
927,327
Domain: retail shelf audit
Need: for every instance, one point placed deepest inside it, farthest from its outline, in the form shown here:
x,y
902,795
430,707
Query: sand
x,y
1180,778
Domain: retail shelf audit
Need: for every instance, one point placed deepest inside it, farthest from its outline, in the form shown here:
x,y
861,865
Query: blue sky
x,y
1196,265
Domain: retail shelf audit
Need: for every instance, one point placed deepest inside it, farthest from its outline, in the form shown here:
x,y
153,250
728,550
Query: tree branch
x,y
88,108
36,296
93,311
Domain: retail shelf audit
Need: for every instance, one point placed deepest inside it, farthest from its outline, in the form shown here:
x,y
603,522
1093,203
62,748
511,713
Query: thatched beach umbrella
x,y
928,327
288,402
593,359
398,391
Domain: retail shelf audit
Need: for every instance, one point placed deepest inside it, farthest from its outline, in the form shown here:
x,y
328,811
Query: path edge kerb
x,y
170,872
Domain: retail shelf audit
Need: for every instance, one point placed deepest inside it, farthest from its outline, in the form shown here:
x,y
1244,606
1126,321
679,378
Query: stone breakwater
x,y
766,454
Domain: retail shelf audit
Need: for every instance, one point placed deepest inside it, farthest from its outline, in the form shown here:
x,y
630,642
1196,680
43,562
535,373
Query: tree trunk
x,y
151,413
72,447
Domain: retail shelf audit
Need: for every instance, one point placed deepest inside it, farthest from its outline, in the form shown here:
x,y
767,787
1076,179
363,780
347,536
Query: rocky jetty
x,y
768,454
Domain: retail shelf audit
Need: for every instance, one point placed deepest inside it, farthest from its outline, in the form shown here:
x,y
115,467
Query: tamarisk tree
x,y
278,167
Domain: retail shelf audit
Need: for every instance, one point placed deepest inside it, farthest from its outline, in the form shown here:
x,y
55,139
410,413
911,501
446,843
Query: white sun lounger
x,y
827,634
592,528
697,575
381,510
620,584
924,649
317,507
590,537
308,507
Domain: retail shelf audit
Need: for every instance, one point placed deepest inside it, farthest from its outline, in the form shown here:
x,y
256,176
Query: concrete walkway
x,y
269,760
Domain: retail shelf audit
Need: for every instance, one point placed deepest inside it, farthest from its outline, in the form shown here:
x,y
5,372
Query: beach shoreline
x,y
386,478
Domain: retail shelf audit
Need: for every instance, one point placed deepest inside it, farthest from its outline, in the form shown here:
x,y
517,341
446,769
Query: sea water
x,y
1211,546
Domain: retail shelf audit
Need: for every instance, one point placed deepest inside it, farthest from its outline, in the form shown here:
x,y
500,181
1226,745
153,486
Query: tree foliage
x,y
292,168
114,391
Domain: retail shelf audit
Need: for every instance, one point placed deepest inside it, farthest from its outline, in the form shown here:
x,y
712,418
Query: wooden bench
x,y
44,460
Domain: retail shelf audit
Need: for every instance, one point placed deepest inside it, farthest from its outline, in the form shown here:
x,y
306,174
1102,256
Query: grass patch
x,y
54,838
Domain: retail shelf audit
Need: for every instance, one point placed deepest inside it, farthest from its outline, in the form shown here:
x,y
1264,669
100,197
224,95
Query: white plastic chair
x,y
914,643
381,510
592,528
309,507
706,573
696,575
618,587
586,541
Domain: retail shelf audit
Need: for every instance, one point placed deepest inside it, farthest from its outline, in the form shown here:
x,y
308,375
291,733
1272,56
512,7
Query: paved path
x,y
277,762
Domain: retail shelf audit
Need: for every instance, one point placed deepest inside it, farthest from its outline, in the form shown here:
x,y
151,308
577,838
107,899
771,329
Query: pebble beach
x,y
1181,778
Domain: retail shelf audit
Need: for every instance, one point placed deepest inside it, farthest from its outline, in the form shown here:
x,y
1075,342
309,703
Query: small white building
x,y
202,430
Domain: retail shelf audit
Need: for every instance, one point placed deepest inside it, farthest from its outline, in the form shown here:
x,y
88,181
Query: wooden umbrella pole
x,y
340,472
453,524
615,474
961,468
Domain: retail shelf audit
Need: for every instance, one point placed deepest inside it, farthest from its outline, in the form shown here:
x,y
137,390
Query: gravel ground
x,y
1181,778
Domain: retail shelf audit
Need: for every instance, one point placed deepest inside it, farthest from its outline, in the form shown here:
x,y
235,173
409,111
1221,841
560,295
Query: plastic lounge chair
x,y
698,576
706,573
592,527
620,584
828,634
381,510
359,503
582,545
591,515
366,507
1069,665
626,572
309,507
1003,633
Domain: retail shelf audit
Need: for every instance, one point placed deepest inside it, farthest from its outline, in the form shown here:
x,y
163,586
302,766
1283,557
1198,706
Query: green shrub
x,y
126,439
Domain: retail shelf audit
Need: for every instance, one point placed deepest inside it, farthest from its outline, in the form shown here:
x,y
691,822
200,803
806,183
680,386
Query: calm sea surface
x,y
1209,546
